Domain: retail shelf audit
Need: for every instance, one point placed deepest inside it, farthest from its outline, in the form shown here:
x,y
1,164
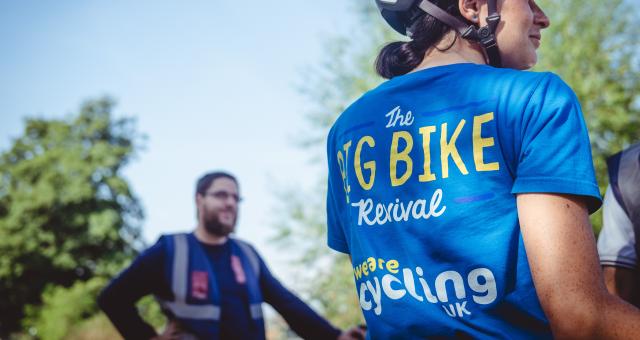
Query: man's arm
x,y
118,299
617,249
621,281
300,317
564,264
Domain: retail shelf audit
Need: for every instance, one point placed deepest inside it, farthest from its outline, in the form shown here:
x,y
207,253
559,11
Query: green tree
x,y
72,312
66,212
323,276
62,308
591,44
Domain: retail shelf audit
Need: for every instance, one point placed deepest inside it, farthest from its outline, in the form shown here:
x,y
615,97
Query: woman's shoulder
x,y
528,89
532,80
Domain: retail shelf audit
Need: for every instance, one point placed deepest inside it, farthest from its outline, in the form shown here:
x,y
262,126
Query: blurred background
x,y
110,111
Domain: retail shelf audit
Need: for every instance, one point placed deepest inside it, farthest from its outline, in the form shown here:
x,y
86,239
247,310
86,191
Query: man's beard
x,y
214,227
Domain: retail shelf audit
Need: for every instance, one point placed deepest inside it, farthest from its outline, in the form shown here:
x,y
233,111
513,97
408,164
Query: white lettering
x,y
435,203
364,210
419,209
488,287
441,285
405,212
393,294
377,295
409,283
480,280
425,287
388,212
451,311
396,116
364,303
462,309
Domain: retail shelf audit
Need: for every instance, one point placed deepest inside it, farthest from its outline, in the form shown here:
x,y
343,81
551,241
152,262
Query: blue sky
x,y
212,84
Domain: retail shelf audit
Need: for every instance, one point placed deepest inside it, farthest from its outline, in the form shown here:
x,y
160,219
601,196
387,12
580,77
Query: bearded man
x,y
210,285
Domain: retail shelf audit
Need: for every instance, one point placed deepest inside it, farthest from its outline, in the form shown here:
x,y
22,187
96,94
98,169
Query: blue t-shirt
x,y
423,176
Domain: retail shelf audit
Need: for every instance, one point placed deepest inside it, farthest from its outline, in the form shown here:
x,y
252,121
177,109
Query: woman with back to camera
x,y
442,177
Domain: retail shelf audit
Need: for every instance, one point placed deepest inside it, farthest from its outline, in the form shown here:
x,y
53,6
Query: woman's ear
x,y
470,9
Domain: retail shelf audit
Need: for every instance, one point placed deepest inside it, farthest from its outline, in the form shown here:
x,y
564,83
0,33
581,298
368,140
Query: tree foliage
x,y
72,313
62,308
593,45
66,211
323,276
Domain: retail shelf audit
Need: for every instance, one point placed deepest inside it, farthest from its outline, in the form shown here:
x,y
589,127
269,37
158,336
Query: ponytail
x,y
400,57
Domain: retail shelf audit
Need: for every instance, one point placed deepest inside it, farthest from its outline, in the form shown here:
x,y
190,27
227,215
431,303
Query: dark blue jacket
x,y
238,303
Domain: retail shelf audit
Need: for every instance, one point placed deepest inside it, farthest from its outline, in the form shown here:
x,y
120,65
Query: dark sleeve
x,y
300,317
118,299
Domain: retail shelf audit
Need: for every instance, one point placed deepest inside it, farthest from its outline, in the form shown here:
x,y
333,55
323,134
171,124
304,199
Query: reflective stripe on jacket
x,y
199,310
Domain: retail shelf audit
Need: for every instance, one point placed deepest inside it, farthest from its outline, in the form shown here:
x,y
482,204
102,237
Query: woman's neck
x,y
462,51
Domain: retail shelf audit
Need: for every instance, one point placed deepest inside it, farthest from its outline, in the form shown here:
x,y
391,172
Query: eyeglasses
x,y
224,195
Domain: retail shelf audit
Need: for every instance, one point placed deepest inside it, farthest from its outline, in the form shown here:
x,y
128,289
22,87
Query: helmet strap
x,y
485,35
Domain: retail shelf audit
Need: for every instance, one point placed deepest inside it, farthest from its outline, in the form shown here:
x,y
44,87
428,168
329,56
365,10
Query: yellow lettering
x,y
372,264
392,266
342,160
370,165
449,149
479,143
402,156
358,271
426,132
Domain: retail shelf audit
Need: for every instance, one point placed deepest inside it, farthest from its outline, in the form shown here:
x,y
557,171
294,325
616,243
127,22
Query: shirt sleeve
x,y
118,299
555,152
617,242
303,320
335,230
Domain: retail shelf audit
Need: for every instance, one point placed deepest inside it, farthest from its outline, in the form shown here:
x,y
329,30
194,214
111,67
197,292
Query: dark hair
x,y
205,181
400,57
